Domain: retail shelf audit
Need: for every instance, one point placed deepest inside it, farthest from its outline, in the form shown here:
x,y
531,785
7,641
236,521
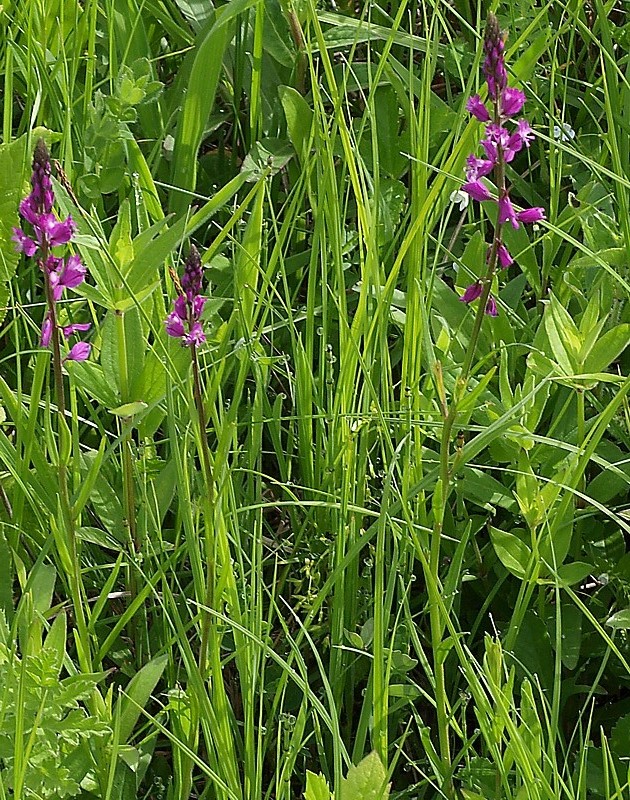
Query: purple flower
x,y
506,211
477,167
477,191
503,254
23,243
522,136
79,352
70,330
512,101
529,215
491,307
175,324
472,292
66,274
46,334
195,337
477,108
183,321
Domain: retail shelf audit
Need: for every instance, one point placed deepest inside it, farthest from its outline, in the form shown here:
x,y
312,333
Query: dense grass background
x,y
219,634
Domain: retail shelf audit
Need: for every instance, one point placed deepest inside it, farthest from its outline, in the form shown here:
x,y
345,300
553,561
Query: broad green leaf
x,y
299,116
607,348
366,781
90,479
316,787
564,337
120,243
129,409
137,694
620,620
148,259
55,642
575,572
514,554
199,99
571,634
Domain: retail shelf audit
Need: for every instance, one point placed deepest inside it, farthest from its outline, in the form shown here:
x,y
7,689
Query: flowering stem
x,y
74,566
445,481
208,478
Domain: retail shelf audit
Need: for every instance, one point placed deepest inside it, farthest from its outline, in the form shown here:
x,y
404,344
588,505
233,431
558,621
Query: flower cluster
x,y
48,232
183,321
500,146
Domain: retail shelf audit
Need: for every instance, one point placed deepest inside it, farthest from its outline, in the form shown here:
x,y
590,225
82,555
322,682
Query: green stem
x,y
83,643
208,477
129,488
442,495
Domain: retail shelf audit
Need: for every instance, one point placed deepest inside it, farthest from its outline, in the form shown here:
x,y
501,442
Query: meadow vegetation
x,y
291,520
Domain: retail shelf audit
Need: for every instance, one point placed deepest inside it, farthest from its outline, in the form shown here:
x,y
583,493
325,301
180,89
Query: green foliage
x,y
46,735
338,573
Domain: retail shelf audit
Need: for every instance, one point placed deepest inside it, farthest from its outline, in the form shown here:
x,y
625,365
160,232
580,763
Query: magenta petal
x,y
69,330
491,150
477,191
472,292
175,325
73,274
61,233
491,307
512,101
28,210
23,243
505,259
525,132
506,212
198,305
196,336
44,339
79,352
180,307
477,108
529,215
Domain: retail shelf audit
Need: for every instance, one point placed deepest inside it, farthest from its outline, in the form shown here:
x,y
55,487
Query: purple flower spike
x,y
529,215
503,254
491,307
494,62
472,293
79,352
183,321
477,191
42,193
512,101
477,108
49,232
193,274
506,212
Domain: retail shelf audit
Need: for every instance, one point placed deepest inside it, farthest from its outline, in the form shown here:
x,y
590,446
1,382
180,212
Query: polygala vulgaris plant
x,y
500,146
60,272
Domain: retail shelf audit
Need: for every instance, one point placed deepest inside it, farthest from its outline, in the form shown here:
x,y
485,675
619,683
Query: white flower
x,y
564,133
460,198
